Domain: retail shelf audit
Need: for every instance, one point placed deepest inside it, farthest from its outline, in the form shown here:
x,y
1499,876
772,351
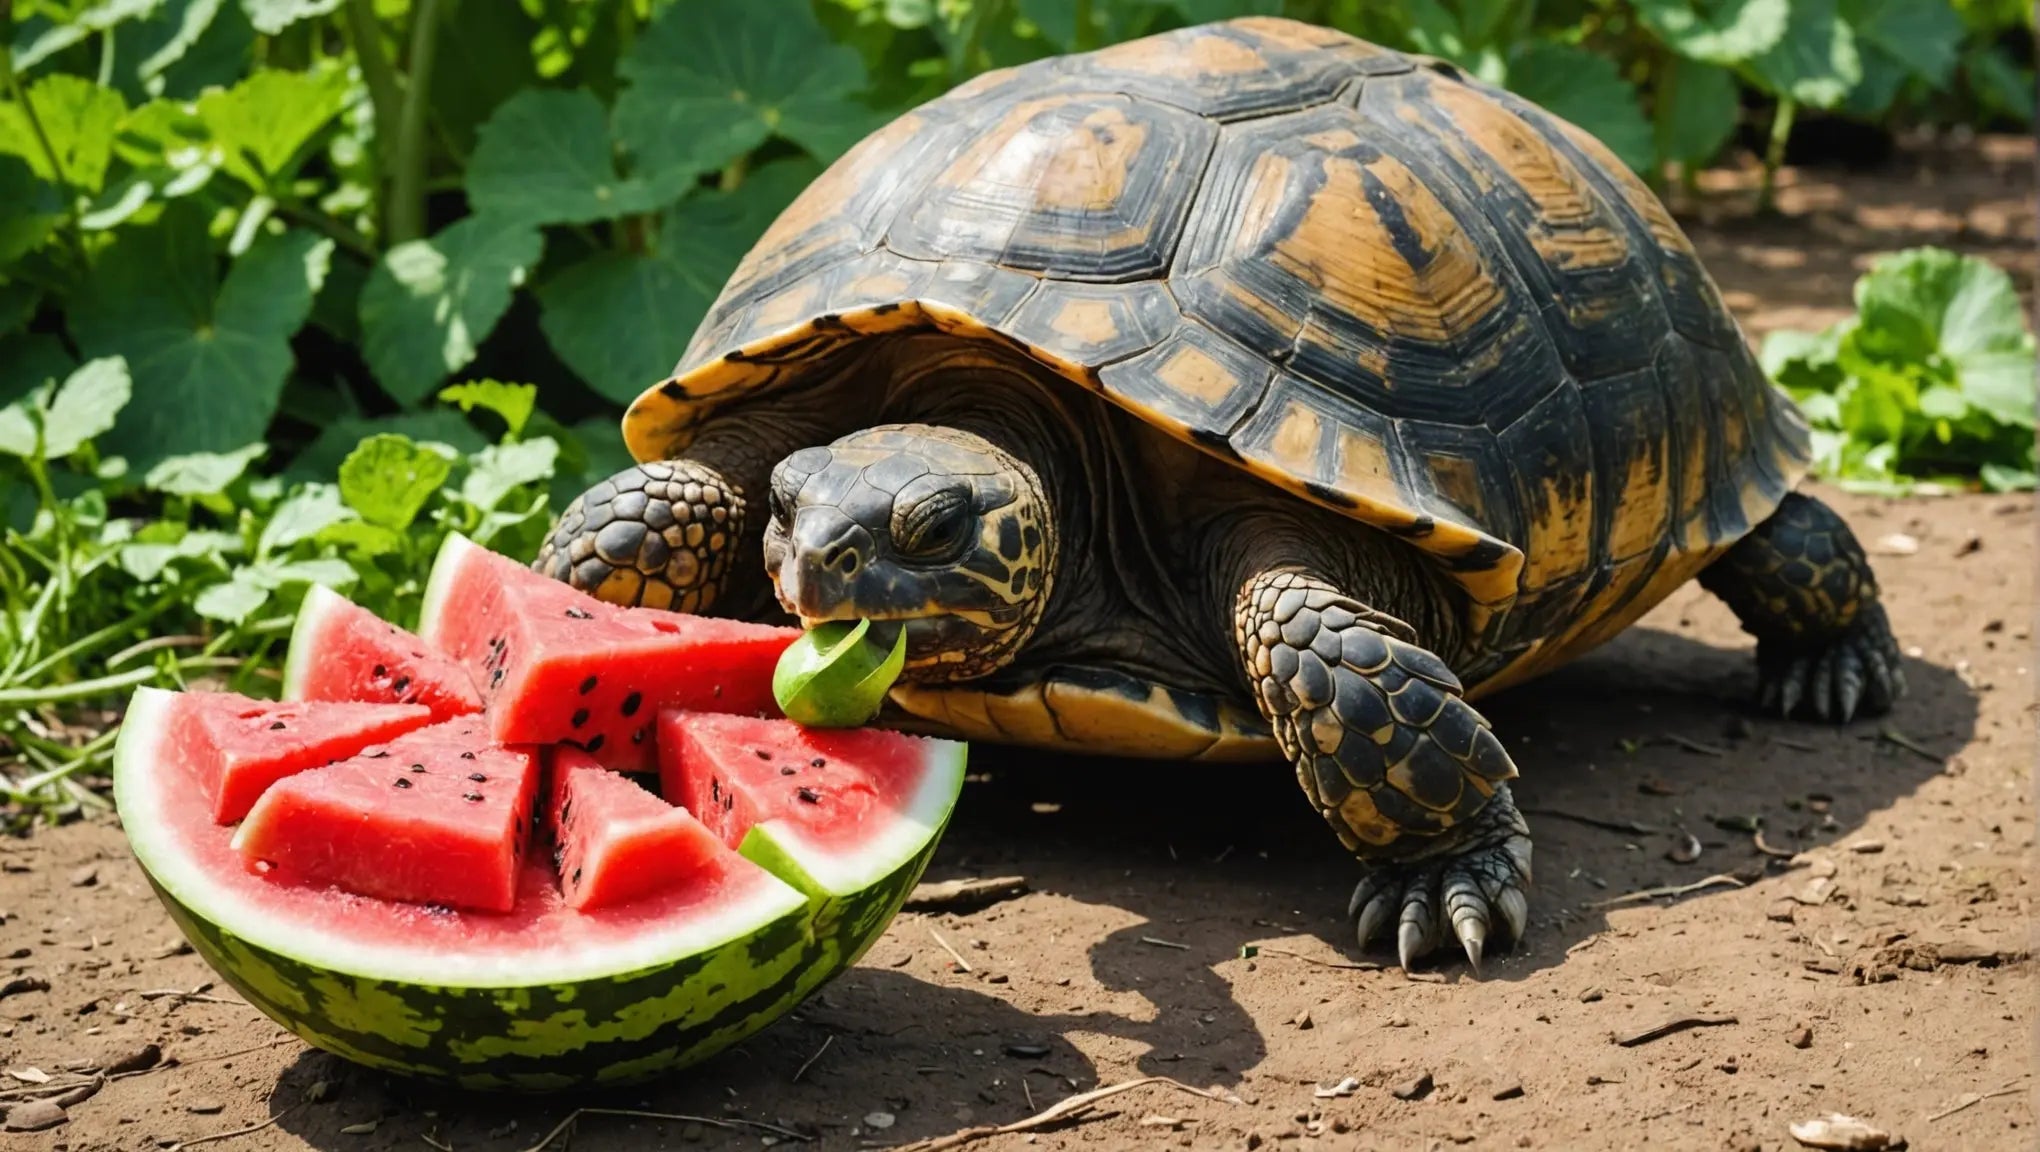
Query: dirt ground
x,y
1877,974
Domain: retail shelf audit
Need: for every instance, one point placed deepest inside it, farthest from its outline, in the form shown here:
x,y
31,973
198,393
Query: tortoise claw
x,y
1474,895
1857,673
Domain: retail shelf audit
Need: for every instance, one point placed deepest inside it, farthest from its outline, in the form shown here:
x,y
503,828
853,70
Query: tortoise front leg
x,y
688,534
1407,774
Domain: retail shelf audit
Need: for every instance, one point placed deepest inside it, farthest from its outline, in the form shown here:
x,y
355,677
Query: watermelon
x,y
429,818
342,651
616,841
244,745
544,995
555,665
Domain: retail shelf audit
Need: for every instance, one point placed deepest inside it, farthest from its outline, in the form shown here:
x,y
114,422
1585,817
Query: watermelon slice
x,y
244,745
545,995
557,666
430,818
616,841
342,651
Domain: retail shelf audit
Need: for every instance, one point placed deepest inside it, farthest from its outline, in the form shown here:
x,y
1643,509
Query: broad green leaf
x,y
85,406
164,134
273,16
1433,30
2000,382
513,402
1921,301
208,362
1816,61
362,537
621,320
431,302
183,49
1923,36
1112,21
1210,11
1584,88
1726,32
545,158
499,469
18,435
78,117
1942,402
1697,113
388,479
303,515
39,37
30,360
233,601
264,123
322,457
1999,81
18,303
336,574
480,64
202,473
712,79
1999,478
30,209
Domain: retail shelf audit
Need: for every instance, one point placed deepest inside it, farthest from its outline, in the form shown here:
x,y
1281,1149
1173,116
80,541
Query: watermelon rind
x,y
541,1020
319,602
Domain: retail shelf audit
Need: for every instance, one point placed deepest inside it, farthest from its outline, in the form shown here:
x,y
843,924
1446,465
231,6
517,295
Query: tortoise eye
x,y
935,527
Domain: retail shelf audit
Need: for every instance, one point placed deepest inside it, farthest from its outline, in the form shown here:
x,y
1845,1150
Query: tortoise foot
x,y
1858,672
1473,891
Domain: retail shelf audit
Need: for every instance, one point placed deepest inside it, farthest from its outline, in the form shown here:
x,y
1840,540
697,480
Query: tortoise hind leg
x,y
1406,772
1801,584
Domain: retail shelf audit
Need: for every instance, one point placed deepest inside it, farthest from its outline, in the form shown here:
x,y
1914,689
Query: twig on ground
x,y
953,953
810,1061
949,895
676,1117
1633,827
1668,890
1666,1028
217,1136
1891,735
1970,1100
195,994
1071,1108
283,1039
1757,841
1270,949
1692,745
1159,943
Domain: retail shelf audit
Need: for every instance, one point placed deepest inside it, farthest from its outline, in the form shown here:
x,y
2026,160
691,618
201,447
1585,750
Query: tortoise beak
x,y
825,552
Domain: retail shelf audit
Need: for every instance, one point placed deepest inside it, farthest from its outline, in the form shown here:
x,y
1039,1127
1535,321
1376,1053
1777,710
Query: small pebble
x,y
35,1116
1415,1088
1509,1091
1800,1038
1591,995
85,877
138,1060
204,1106
1867,847
1398,1021
878,1120
1303,1021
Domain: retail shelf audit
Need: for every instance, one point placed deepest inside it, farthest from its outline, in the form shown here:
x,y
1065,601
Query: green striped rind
x,y
318,601
608,1029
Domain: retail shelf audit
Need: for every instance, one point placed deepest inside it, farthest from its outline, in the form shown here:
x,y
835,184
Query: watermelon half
x,y
646,976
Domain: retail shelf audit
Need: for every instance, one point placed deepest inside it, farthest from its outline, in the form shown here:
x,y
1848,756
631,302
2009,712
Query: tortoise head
x,y
936,529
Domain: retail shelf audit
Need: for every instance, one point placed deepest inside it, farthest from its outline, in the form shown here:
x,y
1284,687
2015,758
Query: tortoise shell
x,y
1375,283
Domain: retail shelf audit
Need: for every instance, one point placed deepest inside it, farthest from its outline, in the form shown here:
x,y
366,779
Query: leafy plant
x,y
1931,381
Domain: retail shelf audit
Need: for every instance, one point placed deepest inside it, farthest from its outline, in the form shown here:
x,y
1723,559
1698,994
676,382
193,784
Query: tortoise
x,y
1247,392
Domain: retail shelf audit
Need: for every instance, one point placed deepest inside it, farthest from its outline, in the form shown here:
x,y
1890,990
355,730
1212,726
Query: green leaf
x,y
78,116
1921,301
18,303
431,302
1923,36
1211,11
1111,21
233,601
2000,382
264,123
85,407
1726,32
1999,478
208,364
323,456
273,16
836,675
362,537
545,158
29,361
1999,82
202,473
499,469
622,320
482,63
183,49
18,436
713,79
336,574
513,402
388,479
1584,88
39,37
1816,61
307,512
32,209
1697,114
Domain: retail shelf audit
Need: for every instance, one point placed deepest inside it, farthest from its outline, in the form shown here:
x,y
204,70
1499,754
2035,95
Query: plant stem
x,y
86,689
92,640
72,230
385,92
406,213
339,233
732,176
1774,151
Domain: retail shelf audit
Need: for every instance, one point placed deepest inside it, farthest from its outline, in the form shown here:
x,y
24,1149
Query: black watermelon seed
x,y
809,795
495,677
467,755
787,770
402,782
576,878
417,767
718,691
472,797
631,702
595,745
587,685
578,614
401,683
714,789
818,762
638,737
380,672
567,813
478,778
580,717
761,753
729,802
277,726
384,754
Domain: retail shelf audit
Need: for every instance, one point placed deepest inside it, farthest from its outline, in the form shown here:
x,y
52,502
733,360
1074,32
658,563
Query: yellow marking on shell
x,y
1066,717
1365,821
1087,321
1193,372
1298,36
1333,139
1297,441
792,306
1090,173
1572,231
1362,462
1200,55
885,286
1663,228
1457,481
1645,509
1559,535
980,84
1343,249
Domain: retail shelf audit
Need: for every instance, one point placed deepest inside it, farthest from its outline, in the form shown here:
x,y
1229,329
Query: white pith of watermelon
x,y
249,744
616,841
555,665
342,651
429,818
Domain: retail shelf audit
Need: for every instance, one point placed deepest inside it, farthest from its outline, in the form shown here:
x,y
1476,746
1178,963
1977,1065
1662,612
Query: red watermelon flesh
x,y
246,745
557,666
830,786
342,651
430,818
616,842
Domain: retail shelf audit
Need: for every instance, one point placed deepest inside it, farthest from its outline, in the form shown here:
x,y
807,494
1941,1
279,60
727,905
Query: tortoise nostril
x,y
843,557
